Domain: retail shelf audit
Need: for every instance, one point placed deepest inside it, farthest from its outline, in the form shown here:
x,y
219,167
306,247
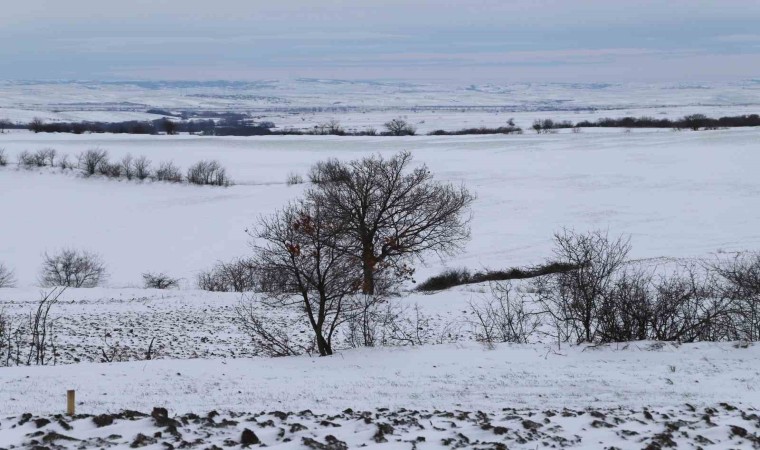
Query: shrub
x,y
72,268
236,276
45,157
167,171
331,127
294,178
457,277
107,169
3,158
504,316
574,298
209,173
142,168
91,159
65,164
400,127
741,281
159,281
7,279
127,167
447,279
26,159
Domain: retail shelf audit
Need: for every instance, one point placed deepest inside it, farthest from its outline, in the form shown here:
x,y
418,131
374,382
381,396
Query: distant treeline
x,y
239,125
691,122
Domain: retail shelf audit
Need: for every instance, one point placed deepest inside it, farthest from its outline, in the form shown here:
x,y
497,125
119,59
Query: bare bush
x,y
3,158
72,268
626,309
7,278
65,164
504,316
91,159
159,280
46,157
31,342
142,168
331,127
741,276
209,173
370,322
235,276
25,159
689,306
167,171
109,170
127,167
114,351
293,179
400,127
573,299
273,335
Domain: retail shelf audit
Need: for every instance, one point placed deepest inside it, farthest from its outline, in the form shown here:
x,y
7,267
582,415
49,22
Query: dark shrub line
x,y
458,277
237,126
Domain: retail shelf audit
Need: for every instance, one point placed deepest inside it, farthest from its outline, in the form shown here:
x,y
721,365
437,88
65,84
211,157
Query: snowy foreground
x,y
438,396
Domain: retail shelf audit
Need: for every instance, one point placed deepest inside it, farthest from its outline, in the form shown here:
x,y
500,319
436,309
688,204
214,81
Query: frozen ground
x,y
679,194
718,427
585,397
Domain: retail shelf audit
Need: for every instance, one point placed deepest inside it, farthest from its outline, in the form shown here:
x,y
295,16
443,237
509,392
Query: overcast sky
x,y
437,40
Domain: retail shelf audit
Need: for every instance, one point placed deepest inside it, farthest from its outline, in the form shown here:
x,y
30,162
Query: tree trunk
x,y
324,348
368,269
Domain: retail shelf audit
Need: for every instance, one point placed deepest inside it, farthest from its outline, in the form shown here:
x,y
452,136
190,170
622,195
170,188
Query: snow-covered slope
x,y
679,194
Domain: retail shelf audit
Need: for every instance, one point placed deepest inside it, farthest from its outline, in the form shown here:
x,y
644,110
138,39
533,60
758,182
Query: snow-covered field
x,y
682,194
678,194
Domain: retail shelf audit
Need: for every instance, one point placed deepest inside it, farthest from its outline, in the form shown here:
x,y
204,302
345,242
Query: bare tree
x,y
169,126
72,268
7,278
300,247
37,125
391,214
400,127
